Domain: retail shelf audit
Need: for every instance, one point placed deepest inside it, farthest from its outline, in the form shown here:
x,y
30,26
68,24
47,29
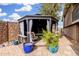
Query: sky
x,y
60,23
14,11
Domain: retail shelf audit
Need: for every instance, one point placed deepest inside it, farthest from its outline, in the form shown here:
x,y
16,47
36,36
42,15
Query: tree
x,y
67,5
50,9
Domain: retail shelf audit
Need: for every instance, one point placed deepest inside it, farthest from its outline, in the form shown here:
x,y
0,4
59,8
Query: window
x,y
75,13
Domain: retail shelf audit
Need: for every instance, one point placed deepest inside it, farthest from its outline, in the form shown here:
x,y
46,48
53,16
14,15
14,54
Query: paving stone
x,y
65,49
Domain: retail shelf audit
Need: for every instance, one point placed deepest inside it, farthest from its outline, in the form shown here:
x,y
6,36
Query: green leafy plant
x,y
50,38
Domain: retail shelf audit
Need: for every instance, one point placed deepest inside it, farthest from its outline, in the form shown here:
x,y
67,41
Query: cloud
x,y
5,19
9,20
18,3
3,14
14,16
60,24
29,3
0,10
61,13
5,4
24,8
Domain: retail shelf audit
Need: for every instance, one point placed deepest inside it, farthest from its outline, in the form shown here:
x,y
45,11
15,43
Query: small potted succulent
x,y
15,42
51,40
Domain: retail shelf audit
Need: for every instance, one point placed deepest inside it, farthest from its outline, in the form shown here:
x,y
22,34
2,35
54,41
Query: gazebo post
x,y
49,24
30,27
27,30
56,26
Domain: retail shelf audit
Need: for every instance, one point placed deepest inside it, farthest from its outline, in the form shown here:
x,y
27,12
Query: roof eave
x,y
38,16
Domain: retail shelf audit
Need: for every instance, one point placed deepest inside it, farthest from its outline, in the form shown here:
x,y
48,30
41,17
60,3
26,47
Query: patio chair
x,y
33,36
22,38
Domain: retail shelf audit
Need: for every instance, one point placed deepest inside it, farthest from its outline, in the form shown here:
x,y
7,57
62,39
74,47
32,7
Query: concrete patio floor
x,y
65,49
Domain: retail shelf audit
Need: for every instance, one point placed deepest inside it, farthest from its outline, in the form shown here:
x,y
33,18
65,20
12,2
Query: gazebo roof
x,y
38,16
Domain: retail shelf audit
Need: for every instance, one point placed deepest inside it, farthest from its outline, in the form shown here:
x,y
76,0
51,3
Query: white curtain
x,y
48,25
30,28
22,28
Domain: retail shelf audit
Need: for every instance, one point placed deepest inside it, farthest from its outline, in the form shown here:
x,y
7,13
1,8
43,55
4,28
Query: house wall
x,y
68,17
78,32
71,30
8,31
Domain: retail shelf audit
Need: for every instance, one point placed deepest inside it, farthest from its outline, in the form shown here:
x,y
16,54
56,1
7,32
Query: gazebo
x,y
35,23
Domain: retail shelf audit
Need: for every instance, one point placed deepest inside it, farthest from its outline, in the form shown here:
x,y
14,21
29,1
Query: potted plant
x,y
28,47
15,42
51,40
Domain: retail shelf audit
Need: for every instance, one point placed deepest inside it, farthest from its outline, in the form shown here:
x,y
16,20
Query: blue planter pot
x,y
53,49
28,47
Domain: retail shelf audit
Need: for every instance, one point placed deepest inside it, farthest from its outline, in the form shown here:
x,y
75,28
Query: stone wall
x,y
8,31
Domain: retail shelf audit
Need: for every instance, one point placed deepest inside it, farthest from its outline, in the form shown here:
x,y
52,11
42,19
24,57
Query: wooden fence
x,y
8,31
